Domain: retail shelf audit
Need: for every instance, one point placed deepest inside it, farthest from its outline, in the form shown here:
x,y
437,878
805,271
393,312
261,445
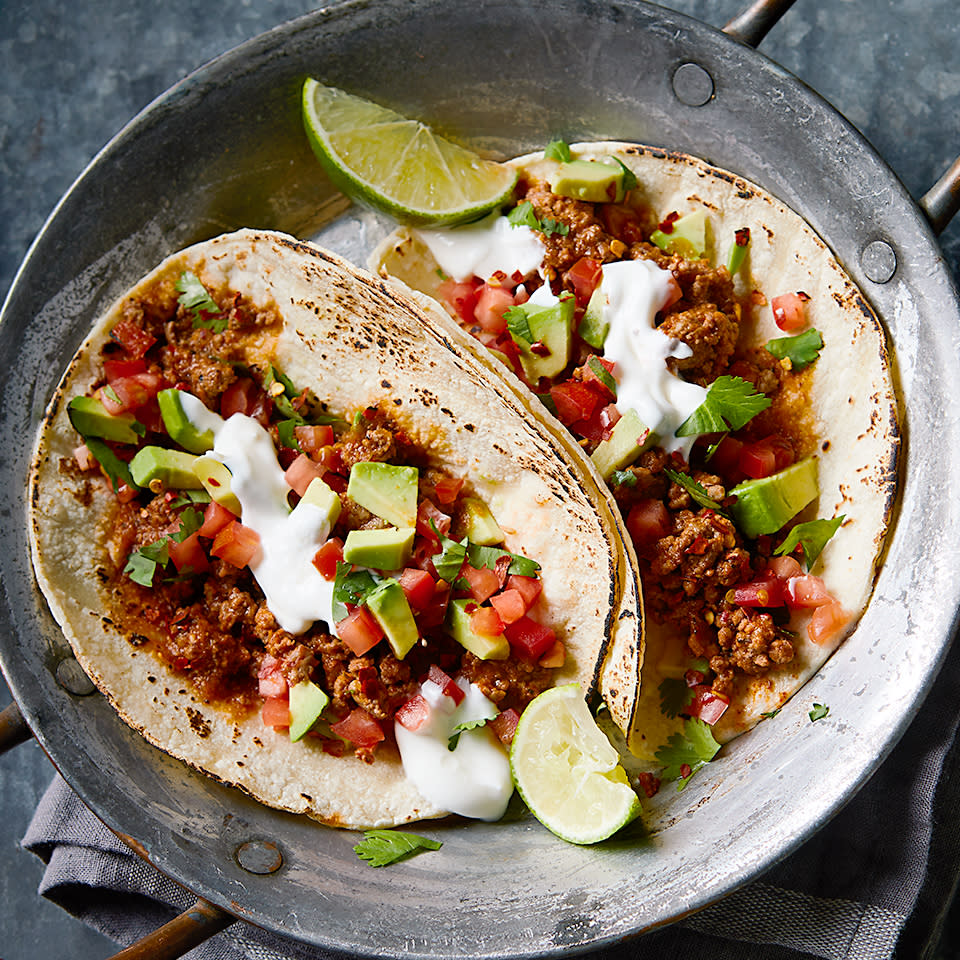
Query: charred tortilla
x,y
357,344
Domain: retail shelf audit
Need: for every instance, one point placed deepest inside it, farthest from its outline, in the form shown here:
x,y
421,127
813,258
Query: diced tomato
x,y
236,544
623,222
504,725
789,311
806,591
436,611
327,558
759,593
583,278
726,460
486,621
126,493
359,630
312,438
427,511
447,489
492,303
116,369
424,548
418,587
85,459
246,396
783,568
762,458
359,728
414,713
461,296
529,638
528,587
510,605
132,337
707,705
128,393
827,621
647,522
593,379
275,712
302,472
448,686
484,583
555,657
189,555
215,517
272,682
574,400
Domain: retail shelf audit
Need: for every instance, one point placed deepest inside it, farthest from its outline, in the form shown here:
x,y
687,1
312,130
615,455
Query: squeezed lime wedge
x,y
397,165
567,771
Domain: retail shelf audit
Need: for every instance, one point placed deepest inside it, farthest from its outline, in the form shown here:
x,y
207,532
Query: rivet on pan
x,y
71,677
692,84
259,856
879,261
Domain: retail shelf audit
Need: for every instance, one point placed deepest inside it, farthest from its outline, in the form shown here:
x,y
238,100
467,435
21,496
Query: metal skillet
x,y
241,161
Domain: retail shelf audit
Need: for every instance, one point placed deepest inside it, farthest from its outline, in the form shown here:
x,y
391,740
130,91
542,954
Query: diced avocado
x,y
688,236
388,604
321,496
168,469
386,490
458,627
478,523
592,180
91,419
593,328
179,426
551,328
628,439
765,505
216,480
387,549
307,702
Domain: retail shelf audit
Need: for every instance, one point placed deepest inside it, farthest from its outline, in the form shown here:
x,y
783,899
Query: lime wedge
x,y
566,770
397,165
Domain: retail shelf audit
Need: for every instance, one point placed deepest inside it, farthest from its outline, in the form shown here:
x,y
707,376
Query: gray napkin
x,y
876,882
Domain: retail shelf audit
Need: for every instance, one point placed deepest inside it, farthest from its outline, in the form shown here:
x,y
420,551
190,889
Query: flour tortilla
x,y
853,400
355,342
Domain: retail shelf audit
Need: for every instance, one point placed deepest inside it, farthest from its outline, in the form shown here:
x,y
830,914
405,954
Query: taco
x,y
286,520
733,388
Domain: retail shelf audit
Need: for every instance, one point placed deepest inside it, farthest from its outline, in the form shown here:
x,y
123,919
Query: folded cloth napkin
x,y
876,882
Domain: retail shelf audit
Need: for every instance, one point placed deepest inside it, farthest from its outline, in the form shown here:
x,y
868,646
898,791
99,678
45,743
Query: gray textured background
x,y
72,74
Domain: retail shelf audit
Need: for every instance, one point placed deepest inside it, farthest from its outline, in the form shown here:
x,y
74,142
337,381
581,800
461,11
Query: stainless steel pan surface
x,y
224,149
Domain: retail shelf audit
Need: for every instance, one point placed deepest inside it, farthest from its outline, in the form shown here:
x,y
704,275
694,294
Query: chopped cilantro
x,y
558,150
450,559
769,714
191,520
819,711
523,215
116,469
382,847
629,177
696,490
286,434
547,401
460,727
730,404
675,696
548,227
811,537
518,325
187,497
488,556
195,297
603,374
801,350
685,753
623,478
142,564
352,588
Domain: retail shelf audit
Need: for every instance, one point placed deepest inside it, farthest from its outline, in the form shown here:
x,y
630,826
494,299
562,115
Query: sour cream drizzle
x,y
472,780
294,589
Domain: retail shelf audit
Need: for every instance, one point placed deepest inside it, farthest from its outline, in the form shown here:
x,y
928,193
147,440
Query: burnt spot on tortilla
x,y
469,427
397,401
151,679
307,797
447,412
386,384
257,742
240,763
825,446
198,723
137,639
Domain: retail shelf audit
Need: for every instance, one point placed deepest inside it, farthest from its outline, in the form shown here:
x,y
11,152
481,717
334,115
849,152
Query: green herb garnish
x,y
450,559
629,177
142,564
518,325
488,557
675,696
623,478
730,404
523,215
811,537
196,298
116,469
801,350
352,588
383,847
460,727
286,434
819,711
696,490
603,374
558,150
769,714
685,753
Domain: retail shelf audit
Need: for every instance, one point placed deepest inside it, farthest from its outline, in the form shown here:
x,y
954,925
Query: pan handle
x,y
942,201
13,728
751,26
195,925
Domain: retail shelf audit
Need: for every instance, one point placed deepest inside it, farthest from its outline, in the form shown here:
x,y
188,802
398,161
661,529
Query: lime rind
x,y
398,165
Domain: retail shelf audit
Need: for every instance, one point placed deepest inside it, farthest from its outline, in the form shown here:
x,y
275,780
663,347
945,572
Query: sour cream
x,y
483,248
295,591
472,780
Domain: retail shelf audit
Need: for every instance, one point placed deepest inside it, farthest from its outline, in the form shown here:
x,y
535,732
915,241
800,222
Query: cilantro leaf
x,y
770,714
460,727
450,559
675,696
819,711
142,564
731,403
685,753
523,215
603,374
479,556
382,847
696,490
187,497
558,150
812,537
629,177
801,350
623,478
518,325
191,520
196,298
548,227
115,468
352,588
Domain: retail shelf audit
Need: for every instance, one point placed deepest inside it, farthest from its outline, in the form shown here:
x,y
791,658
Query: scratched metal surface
x,y
237,159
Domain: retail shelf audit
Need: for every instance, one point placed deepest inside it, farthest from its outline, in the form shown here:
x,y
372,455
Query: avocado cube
x,y
628,439
687,238
458,626
386,490
91,419
765,505
216,478
178,424
552,330
160,468
478,524
307,702
593,329
319,495
388,604
387,549
592,180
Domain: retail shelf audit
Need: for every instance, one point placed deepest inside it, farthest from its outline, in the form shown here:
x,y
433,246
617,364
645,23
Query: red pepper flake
x,y
497,279
698,547
516,276
666,225
540,349
648,783
741,237
685,771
